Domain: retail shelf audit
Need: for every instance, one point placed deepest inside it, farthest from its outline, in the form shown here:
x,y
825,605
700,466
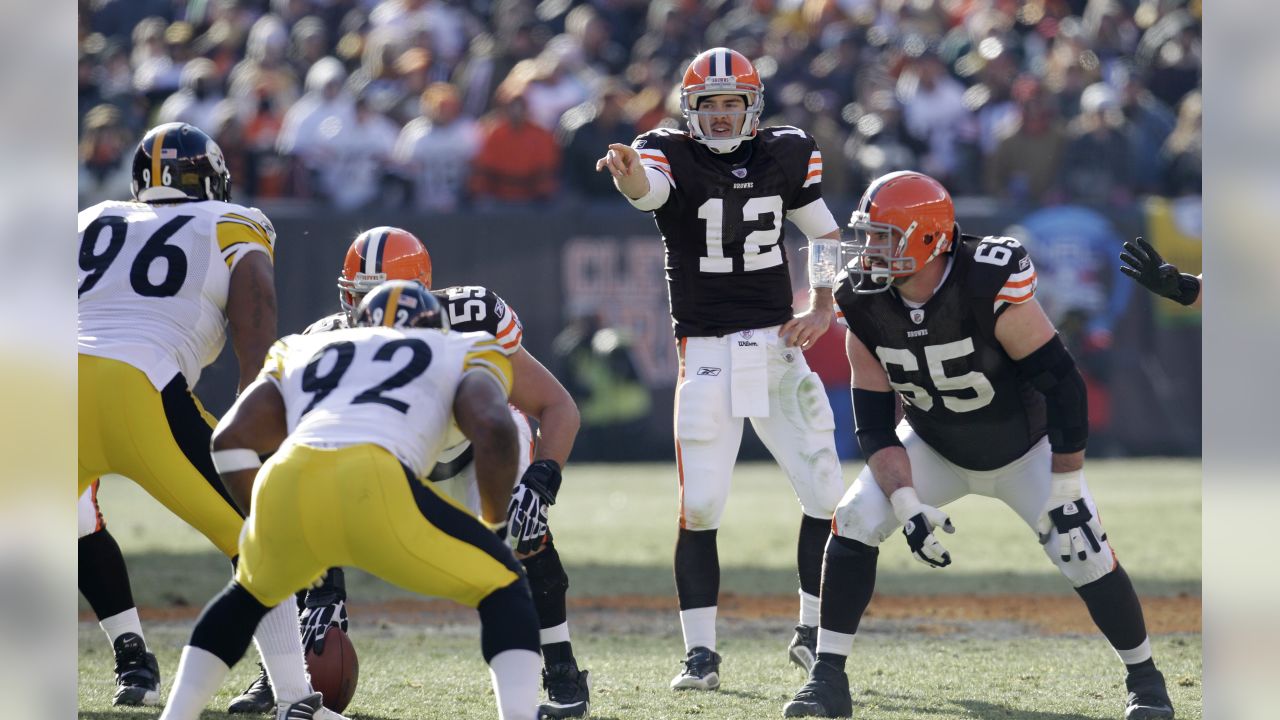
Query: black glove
x,y
1146,266
326,605
527,512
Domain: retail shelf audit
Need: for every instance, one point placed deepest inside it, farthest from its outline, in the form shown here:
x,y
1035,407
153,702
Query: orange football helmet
x,y
721,71
377,255
904,220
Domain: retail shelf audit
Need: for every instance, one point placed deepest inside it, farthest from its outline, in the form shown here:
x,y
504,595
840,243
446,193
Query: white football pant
x,y
751,374
865,514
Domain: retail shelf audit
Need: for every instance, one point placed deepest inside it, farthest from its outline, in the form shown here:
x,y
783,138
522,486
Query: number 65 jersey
x,y
392,387
961,391
722,225
154,279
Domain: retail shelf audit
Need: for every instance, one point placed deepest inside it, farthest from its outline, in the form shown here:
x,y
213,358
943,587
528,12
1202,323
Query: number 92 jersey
x,y
391,387
722,226
963,395
153,281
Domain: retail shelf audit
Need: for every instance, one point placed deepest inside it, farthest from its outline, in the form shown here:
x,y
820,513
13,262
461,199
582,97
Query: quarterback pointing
x,y
354,419
719,193
948,325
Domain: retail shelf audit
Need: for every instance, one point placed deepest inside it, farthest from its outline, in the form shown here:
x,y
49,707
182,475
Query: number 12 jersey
x,y
722,225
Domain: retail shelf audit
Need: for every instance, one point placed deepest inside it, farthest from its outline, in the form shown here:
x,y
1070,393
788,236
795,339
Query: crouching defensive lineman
x,y
355,419
994,406
389,253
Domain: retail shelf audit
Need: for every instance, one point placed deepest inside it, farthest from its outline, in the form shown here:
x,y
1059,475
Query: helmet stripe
x,y
728,63
870,195
373,258
393,304
155,158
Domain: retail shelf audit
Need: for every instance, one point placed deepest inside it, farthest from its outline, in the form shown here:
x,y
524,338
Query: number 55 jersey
x,y
961,391
391,387
154,279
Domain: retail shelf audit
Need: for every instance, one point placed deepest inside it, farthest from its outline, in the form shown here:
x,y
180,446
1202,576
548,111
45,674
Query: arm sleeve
x,y
1019,284
660,184
242,232
273,366
487,357
810,186
814,219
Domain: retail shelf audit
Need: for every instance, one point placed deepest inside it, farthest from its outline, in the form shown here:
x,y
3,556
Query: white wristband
x,y
1065,487
906,503
229,461
824,262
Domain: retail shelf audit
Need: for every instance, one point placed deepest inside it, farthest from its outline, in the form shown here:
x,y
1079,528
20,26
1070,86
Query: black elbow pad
x,y
1052,371
874,413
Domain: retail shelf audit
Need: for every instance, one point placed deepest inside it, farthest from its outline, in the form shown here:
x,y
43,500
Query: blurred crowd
x,y
440,105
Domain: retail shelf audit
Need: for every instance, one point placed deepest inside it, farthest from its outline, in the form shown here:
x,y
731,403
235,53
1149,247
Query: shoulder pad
x,y
1000,270
660,137
329,323
785,134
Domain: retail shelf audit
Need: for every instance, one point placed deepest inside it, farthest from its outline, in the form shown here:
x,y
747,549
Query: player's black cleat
x,y
803,649
137,673
257,698
1148,697
308,708
701,671
826,695
568,691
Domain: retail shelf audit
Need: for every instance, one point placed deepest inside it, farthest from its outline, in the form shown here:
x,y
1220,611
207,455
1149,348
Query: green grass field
x,y
614,526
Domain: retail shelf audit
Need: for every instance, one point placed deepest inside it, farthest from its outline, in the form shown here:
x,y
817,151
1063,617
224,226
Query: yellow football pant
x,y
359,506
158,439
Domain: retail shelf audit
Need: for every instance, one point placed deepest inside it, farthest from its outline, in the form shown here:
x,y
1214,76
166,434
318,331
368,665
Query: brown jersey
x,y
722,225
963,395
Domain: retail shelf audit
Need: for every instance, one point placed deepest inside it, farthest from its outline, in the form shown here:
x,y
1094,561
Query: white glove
x,y
1079,532
918,521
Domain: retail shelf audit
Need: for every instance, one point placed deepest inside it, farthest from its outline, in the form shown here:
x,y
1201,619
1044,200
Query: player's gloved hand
x,y
326,605
918,523
1079,532
1144,264
527,512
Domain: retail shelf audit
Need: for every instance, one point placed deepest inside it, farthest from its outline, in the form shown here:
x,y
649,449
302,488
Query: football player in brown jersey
x,y
948,325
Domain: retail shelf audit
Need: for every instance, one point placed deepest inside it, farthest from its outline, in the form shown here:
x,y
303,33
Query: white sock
x,y
515,675
559,633
121,623
279,641
200,674
830,641
810,607
1142,653
699,625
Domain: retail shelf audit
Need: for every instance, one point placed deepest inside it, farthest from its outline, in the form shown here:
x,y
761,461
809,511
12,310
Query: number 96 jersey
x,y
390,387
154,278
961,391
722,225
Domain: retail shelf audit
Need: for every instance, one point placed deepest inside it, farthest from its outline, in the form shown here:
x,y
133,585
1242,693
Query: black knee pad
x,y
848,547
508,620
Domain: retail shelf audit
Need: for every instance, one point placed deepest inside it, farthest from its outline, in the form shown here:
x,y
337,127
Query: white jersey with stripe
x,y
154,279
391,387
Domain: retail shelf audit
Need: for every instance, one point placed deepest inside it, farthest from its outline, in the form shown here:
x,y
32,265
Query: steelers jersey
x,y
471,308
721,226
390,387
153,281
962,392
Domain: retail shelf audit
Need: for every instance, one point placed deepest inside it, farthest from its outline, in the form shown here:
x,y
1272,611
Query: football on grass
x,y
335,671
